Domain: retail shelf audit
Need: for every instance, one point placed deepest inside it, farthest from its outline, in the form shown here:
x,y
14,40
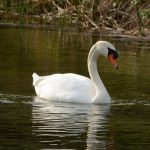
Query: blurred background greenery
x,y
131,16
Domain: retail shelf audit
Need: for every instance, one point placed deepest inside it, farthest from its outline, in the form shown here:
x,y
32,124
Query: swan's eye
x,y
111,51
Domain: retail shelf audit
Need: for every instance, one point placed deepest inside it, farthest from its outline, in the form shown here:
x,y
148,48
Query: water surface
x,y
30,123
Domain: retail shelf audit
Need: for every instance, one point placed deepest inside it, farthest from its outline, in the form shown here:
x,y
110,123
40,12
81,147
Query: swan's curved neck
x,y
92,67
93,71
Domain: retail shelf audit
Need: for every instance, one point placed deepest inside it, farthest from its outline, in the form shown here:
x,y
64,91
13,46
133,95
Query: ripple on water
x,y
11,98
80,126
118,102
75,123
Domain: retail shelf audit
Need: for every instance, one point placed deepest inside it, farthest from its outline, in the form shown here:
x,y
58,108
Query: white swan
x,y
76,88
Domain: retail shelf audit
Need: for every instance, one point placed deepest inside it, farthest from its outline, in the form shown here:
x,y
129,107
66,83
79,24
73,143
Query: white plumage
x,y
71,87
64,87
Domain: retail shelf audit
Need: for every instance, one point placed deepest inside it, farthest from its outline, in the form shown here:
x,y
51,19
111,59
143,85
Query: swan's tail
x,y
35,79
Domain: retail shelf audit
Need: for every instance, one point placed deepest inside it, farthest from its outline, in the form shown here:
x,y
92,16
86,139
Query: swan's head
x,y
108,50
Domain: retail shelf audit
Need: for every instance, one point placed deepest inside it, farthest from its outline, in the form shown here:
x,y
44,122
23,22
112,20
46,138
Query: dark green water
x,y
28,123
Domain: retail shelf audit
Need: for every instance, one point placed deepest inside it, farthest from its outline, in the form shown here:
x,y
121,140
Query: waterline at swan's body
x,y
78,88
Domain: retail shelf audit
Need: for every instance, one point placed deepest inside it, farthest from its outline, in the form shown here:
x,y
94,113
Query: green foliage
x,y
145,14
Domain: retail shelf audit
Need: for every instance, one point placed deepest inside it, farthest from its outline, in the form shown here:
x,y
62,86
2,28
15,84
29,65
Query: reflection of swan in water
x,y
57,124
96,127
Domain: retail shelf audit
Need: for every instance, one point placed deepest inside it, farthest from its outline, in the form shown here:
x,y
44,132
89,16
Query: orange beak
x,y
113,61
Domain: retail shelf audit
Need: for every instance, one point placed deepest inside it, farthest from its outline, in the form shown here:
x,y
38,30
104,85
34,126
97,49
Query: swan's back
x,y
64,87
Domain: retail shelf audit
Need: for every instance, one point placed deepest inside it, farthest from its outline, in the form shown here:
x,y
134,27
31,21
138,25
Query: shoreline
x,y
109,32
130,18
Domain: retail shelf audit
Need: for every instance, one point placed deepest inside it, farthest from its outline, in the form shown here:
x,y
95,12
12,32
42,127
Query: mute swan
x,y
71,87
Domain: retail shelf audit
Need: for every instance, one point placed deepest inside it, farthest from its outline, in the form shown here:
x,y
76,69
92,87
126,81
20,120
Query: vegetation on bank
x,y
129,16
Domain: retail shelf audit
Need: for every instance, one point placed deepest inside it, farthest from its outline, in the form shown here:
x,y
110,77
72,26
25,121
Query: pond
x,y
28,122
